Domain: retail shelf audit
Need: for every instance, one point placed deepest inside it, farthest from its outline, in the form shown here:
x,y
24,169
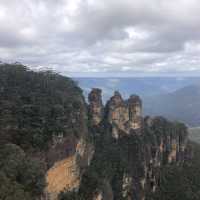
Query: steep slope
x,y
130,151
46,137
180,183
45,115
180,105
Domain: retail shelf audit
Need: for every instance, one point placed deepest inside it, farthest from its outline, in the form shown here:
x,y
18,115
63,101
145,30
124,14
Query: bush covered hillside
x,y
54,146
180,183
34,107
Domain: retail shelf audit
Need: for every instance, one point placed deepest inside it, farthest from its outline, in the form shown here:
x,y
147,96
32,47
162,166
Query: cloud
x,y
78,37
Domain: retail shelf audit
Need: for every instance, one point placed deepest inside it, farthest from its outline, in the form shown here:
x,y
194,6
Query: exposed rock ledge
x,y
65,175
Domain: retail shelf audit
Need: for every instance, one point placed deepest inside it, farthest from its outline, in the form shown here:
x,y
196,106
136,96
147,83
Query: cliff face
x,y
95,106
68,156
142,147
128,156
45,115
63,175
122,115
45,134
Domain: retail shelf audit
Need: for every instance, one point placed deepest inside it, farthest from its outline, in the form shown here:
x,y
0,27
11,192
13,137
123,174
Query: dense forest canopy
x,y
34,107
180,183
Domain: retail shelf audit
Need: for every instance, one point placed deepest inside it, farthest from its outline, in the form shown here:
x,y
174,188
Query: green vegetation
x,y
112,158
180,183
73,195
34,107
21,177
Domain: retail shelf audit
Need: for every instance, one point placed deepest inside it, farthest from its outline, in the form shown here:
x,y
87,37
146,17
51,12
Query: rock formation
x,y
142,147
124,117
67,157
135,112
95,106
146,144
95,152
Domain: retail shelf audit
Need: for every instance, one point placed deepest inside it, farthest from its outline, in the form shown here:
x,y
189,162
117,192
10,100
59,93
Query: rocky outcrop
x,y
140,148
135,112
167,148
95,106
64,174
146,145
117,114
68,156
50,121
124,116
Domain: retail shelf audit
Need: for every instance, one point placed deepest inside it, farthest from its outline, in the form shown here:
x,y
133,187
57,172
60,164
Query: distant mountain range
x,y
182,105
177,98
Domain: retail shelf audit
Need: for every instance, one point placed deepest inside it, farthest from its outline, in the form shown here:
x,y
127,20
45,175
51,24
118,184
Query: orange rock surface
x,y
63,175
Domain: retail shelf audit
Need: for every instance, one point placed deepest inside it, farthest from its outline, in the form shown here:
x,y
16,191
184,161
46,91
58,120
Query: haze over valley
x,y
177,98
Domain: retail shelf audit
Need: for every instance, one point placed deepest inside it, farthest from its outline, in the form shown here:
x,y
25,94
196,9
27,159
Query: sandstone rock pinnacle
x,y
95,106
124,116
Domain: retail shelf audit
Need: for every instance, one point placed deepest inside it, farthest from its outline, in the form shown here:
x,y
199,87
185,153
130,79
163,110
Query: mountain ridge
x,y
182,105
56,146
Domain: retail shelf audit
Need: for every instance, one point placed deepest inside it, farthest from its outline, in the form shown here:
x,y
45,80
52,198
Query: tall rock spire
x,y
95,106
117,114
135,112
124,116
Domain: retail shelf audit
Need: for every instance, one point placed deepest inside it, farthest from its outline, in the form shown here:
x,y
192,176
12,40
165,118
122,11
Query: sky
x,y
102,37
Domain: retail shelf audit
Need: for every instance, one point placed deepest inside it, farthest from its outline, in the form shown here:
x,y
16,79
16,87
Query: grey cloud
x,y
82,36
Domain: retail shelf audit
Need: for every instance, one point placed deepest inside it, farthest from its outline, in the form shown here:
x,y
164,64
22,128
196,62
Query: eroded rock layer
x,y
140,148
95,106
128,155
124,116
63,175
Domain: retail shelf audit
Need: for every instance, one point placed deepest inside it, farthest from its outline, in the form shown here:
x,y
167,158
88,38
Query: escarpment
x,y
130,150
44,115
68,156
58,145
65,173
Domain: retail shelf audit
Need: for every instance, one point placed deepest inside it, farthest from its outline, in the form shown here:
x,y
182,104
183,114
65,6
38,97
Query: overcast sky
x,y
103,37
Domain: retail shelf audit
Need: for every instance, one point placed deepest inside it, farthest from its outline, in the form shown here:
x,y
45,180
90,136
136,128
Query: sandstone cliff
x,y
68,156
95,110
45,115
123,116
138,147
48,132
128,155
